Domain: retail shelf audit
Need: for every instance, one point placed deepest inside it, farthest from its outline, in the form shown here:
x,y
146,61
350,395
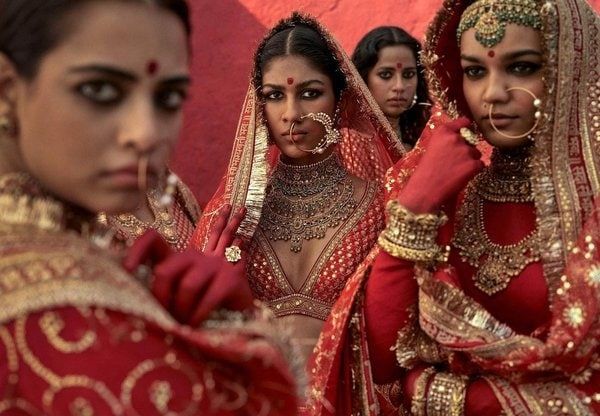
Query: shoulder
x,y
44,270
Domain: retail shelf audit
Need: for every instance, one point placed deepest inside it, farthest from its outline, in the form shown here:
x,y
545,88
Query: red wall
x,y
225,36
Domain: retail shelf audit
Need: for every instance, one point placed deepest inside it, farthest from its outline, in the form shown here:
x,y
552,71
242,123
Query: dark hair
x,y
299,35
29,29
365,56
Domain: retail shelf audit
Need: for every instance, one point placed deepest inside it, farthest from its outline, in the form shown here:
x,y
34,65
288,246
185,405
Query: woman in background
x,y
387,59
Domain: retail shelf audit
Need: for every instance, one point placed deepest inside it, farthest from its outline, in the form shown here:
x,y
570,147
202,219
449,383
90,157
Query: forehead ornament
x,y
490,17
399,65
290,81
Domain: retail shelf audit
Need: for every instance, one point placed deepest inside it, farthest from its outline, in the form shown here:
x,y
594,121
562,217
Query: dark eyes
x,y
521,69
384,74
524,68
106,93
170,99
100,92
308,94
408,74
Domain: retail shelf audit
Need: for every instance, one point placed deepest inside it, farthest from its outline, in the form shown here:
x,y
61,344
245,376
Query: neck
x,y
10,156
308,159
508,177
511,162
304,180
23,201
395,122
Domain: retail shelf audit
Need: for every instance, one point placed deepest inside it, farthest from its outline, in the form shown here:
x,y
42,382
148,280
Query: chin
x,y
502,142
114,203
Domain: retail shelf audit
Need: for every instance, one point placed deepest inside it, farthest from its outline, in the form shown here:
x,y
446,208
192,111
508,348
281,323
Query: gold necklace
x,y
304,201
504,181
164,223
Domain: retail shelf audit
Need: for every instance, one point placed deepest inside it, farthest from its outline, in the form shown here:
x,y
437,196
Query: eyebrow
x,y
510,56
300,85
393,67
125,75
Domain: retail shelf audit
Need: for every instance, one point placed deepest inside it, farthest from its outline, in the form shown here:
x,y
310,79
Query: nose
x,y
494,91
139,128
292,111
398,85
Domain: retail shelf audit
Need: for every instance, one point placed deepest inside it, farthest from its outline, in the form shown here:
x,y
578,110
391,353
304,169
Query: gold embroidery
x,y
574,315
51,325
160,395
81,407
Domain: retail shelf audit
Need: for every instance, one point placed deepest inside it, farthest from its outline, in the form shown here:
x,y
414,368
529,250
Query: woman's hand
x,y
190,285
446,167
223,232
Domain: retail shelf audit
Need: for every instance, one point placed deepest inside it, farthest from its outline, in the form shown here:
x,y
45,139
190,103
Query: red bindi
x,y
152,67
290,81
491,54
399,65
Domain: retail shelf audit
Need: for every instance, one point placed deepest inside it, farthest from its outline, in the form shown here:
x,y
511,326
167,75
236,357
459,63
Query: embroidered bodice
x,y
336,263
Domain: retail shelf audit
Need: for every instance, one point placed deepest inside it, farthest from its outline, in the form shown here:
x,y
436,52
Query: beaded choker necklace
x,y
304,201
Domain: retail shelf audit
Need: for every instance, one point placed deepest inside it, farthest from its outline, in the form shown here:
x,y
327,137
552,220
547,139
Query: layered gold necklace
x,y
304,201
507,179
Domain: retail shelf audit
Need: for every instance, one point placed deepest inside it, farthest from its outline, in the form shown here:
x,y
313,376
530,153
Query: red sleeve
x,y
391,294
97,361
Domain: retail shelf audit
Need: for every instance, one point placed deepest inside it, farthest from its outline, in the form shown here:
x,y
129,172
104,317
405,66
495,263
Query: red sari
x,y
79,336
533,347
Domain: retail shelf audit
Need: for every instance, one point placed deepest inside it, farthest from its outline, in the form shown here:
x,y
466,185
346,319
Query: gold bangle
x,y
412,236
447,395
417,406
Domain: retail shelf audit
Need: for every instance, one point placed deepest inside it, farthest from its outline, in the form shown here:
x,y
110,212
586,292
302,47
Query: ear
x,y
8,86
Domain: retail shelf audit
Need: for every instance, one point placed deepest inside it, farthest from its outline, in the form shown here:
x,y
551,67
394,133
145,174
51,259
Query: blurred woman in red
x,y
89,89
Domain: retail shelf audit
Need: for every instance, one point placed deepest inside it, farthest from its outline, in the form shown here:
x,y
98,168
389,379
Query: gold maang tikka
x,y
490,17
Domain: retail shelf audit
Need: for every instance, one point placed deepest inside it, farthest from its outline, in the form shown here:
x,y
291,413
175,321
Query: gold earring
x,y
537,103
7,126
168,196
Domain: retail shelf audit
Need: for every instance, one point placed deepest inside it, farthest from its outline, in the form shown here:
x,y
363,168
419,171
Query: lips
x,y
500,120
127,176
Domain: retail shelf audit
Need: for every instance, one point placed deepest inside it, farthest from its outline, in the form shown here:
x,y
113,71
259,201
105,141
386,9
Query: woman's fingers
x,y
228,234
217,229
167,276
149,249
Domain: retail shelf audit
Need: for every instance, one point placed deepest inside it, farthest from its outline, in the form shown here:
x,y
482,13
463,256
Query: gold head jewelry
x,y
490,17
537,103
332,135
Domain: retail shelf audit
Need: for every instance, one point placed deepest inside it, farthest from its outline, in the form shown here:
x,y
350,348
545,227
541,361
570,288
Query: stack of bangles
x,y
439,394
413,236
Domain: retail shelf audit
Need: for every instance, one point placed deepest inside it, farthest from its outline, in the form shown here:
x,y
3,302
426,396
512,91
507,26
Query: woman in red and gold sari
x,y
308,163
88,89
483,298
